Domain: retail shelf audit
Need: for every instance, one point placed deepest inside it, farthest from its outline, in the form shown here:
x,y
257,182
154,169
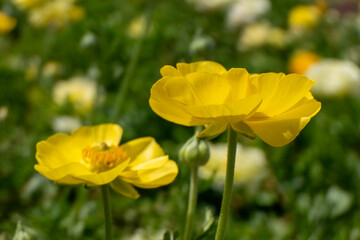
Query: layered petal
x,y
279,91
156,177
282,129
110,134
201,66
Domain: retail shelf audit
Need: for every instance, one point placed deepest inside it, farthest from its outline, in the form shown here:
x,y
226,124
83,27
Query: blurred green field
x,y
306,190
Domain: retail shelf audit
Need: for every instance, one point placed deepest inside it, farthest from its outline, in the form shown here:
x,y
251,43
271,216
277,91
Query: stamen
x,y
103,157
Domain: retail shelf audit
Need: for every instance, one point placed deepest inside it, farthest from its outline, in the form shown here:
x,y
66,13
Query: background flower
x,y
250,165
7,23
335,77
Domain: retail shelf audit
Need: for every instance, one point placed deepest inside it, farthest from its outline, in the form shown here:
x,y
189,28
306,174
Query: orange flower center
x,y
103,157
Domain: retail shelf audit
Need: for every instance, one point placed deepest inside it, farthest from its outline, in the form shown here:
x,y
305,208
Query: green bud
x,y
195,152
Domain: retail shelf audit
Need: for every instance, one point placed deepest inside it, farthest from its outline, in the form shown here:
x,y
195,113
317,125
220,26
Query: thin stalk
x,y
229,180
192,203
121,94
107,211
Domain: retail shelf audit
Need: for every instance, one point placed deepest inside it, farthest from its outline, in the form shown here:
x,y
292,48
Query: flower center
x,y
103,157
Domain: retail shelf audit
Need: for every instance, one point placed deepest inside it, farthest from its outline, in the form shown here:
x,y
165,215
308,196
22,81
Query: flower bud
x,y
195,152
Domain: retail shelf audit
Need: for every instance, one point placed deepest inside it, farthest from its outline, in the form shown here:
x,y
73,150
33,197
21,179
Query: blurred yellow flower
x,y
80,91
137,27
56,13
3,113
273,106
304,16
28,4
51,68
250,165
301,61
91,155
6,23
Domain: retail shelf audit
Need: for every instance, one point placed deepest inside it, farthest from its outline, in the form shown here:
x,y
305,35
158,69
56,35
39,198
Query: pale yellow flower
x,y
65,124
137,27
250,164
208,5
92,156
7,23
51,68
3,113
55,13
80,91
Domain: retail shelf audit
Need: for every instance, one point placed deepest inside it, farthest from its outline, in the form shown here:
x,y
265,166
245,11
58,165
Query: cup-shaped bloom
x,y
91,155
273,106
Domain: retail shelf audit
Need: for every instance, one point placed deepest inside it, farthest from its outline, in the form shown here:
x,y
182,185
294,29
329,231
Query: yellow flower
x,y
301,61
28,4
6,23
304,16
92,156
273,106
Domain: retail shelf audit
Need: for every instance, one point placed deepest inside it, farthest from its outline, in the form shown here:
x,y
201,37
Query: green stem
x,y
191,203
107,211
229,180
121,94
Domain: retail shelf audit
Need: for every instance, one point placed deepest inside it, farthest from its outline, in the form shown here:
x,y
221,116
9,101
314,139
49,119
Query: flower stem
x,y
107,211
121,94
229,180
191,203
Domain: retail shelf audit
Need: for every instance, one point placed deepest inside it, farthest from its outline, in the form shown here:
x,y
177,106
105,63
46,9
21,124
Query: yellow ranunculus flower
x,y
92,156
273,106
304,16
6,23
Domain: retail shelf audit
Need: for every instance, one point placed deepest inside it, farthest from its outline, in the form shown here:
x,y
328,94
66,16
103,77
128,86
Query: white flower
x,y
80,91
334,77
65,124
246,11
250,164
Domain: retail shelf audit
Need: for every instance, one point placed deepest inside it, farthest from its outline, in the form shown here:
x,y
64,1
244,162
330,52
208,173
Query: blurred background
x,y
63,62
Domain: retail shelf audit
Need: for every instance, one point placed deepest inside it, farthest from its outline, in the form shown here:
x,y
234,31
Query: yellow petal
x,y
279,91
156,177
228,112
142,150
151,164
52,156
168,108
281,130
105,177
239,80
169,71
202,66
124,188
94,135
206,88
212,130
67,170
